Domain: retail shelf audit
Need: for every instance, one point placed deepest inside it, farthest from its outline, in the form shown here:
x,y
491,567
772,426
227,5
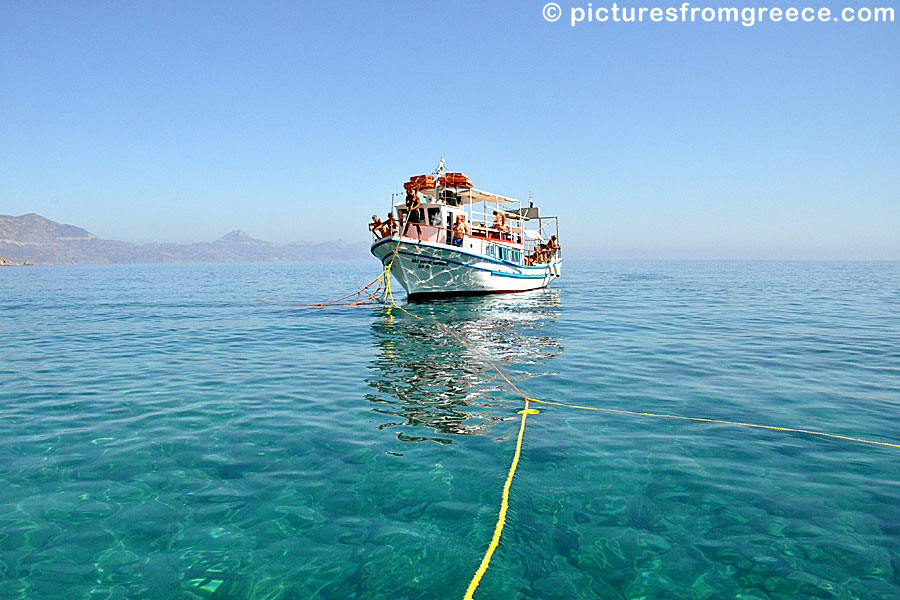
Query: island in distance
x,y
33,239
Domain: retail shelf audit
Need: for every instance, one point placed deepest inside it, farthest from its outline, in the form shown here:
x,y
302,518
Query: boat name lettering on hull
x,y
424,263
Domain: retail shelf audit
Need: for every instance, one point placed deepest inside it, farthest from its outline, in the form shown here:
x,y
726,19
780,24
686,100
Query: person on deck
x,y
377,226
541,255
413,207
460,230
391,225
553,245
500,221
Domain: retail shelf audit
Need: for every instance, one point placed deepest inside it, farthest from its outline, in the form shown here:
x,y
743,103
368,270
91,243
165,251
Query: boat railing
x,y
482,222
430,233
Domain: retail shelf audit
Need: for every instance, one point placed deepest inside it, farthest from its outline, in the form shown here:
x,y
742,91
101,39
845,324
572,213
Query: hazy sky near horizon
x,y
180,121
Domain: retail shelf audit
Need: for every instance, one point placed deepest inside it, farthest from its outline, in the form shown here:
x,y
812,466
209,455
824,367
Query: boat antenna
x,y
440,168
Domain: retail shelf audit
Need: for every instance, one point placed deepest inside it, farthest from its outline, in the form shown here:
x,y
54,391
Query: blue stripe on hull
x,y
453,249
455,262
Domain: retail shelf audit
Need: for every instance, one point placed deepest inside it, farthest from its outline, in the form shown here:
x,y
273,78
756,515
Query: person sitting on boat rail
x,y
460,230
546,254
553,246
377,226
540,255
413,206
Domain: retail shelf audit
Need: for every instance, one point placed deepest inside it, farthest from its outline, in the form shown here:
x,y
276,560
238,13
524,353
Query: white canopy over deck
x,y
473,196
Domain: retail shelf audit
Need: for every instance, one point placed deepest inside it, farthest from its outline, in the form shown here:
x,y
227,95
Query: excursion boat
x,y
500,246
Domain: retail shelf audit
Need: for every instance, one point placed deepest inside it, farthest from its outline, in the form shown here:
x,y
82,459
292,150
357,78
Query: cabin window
x,y
434,217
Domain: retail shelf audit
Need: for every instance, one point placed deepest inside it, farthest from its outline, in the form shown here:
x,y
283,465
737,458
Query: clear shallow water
x,y
164,433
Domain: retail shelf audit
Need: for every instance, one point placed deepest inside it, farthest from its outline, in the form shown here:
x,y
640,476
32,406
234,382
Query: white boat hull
x,y
428,269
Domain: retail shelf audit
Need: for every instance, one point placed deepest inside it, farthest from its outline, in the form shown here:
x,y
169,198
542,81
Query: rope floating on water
x,y
504,506
722,422
358,294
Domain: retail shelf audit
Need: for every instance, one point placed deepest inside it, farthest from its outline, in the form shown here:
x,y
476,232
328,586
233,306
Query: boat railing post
x,y
558,250
521,221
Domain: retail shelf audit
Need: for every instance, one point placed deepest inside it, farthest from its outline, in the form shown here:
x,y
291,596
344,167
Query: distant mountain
x,y
239,236
33,228
39,240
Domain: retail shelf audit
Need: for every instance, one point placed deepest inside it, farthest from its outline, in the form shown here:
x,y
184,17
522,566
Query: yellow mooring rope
x,y
504,506
388,293
736,423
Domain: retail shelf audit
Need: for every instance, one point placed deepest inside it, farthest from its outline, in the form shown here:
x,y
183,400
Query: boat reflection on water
x,y
423,377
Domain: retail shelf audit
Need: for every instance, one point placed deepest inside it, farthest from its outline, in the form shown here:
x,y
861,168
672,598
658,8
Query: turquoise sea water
x,y
184,431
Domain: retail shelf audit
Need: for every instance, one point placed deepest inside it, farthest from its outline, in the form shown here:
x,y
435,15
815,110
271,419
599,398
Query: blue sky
x,y
179,121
